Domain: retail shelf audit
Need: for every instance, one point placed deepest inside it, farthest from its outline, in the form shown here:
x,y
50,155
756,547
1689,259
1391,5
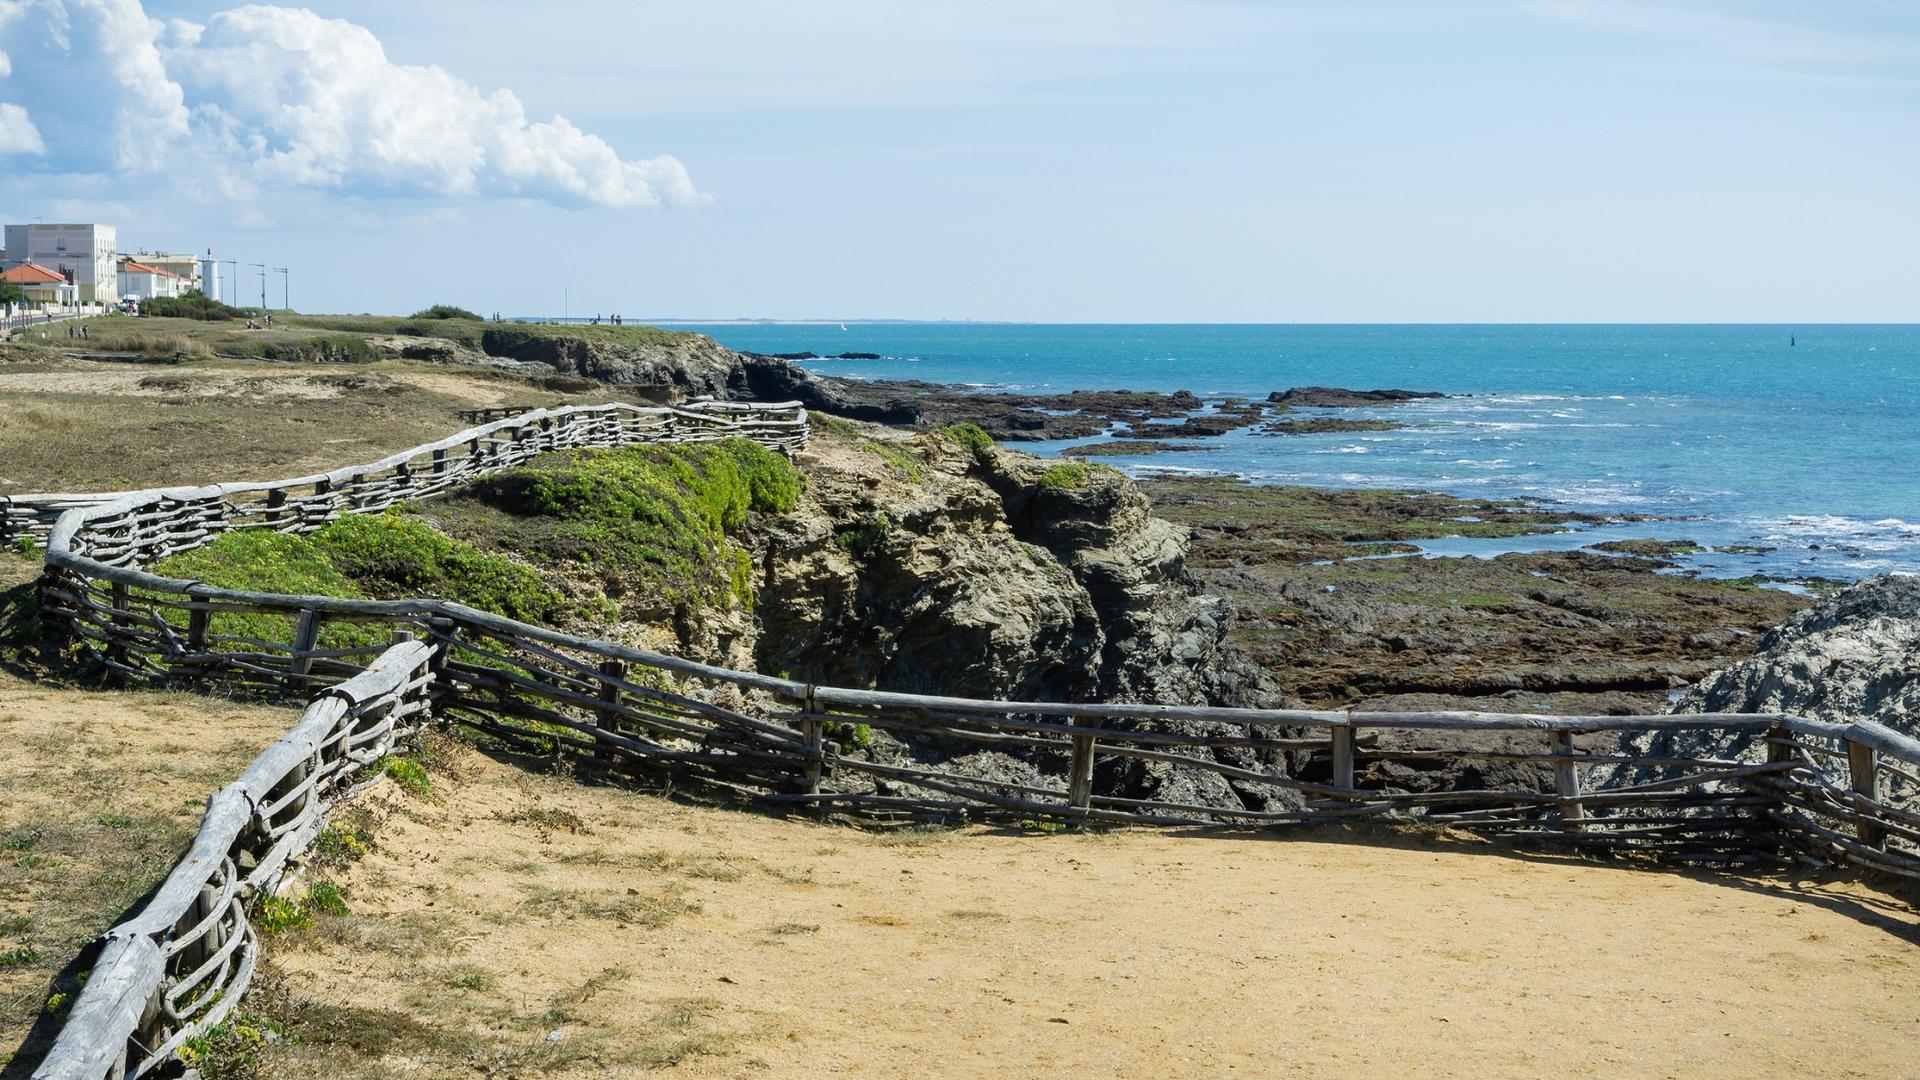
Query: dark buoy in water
x,y
1790,341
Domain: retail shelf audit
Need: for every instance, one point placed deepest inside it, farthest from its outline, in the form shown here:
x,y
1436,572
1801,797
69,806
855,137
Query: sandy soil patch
x,y
100,792
538,925
144,381
469,391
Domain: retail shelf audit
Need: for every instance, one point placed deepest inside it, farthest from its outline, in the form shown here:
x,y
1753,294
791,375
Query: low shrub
x,y
194,305
261,560
866,539
970,437
663,513
388,553
409,774
900,459
232,1048
1069,475
281,914
325,898
322,350
773,484
446,311
406,556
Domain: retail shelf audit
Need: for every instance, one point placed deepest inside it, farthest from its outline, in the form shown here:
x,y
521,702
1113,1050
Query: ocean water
x,y
1810,448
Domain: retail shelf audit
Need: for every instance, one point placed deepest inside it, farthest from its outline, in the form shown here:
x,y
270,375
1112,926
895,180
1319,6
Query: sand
x,y
724,944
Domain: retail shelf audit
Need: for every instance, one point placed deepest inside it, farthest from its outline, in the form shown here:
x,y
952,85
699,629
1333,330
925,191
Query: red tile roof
x,y
33,274
132,267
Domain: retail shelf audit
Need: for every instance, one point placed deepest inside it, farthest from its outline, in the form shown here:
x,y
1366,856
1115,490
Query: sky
x,y
1027,160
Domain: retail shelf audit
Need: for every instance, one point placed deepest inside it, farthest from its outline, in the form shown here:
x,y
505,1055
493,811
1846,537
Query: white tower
x,y
210,277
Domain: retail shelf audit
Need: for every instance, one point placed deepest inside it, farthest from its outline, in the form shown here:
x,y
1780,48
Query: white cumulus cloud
x,y
17,133
260,97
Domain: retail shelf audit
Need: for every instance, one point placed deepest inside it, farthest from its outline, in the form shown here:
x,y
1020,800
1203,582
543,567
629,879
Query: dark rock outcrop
x,y
1333,397
916,565
768,378
666,369
1321,425
1855,655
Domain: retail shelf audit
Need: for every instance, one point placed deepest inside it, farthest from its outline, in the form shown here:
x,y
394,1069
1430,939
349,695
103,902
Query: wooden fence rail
x,y
1831,794
162,521
180,966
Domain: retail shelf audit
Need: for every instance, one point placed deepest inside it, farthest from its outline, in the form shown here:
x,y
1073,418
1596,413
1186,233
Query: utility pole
x,y
262,267
284,278
233,281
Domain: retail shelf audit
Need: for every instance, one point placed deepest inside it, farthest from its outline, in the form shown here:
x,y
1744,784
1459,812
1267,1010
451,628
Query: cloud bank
x,y
261,97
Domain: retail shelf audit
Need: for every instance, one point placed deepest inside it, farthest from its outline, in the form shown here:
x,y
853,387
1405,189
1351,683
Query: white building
x,y
184,266
139,281
210,277
86,250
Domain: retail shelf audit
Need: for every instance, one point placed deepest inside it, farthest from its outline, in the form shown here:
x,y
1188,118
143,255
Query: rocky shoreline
x,y
1314,602
995,574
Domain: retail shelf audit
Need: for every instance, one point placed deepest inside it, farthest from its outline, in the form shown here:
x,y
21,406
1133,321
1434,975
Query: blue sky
x,y
1052,160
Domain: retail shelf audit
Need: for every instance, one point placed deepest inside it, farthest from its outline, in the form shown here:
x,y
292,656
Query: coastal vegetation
x,y
447,311
970,437
641,534
192,305
1069,475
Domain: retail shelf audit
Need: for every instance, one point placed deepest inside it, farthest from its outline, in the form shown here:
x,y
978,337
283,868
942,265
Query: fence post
x,y
441,629
1863,768
610,671
1080,776
1341,736
1566,781
117,651
815,732
306,635
54,633
199,622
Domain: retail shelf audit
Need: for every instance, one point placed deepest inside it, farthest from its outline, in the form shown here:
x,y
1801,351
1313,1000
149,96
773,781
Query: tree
x,y
11,293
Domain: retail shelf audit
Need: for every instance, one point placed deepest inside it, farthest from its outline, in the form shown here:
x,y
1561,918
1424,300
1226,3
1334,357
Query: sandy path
x,y
819,951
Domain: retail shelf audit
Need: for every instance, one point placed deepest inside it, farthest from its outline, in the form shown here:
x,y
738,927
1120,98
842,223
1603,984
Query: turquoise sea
x,y
1810,448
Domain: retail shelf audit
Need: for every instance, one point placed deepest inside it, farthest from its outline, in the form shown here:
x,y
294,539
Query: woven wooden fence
x,y
428,470
180,965
1822,792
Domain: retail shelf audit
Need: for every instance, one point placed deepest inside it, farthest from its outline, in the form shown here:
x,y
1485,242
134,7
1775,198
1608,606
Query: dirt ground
x,y
100,792
83,425
513,924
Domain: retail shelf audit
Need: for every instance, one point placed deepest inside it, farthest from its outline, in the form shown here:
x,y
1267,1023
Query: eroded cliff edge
x,y
940,563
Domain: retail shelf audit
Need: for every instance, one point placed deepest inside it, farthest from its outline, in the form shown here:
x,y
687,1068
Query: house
x,y
88,251
41,285
139,281
183,266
